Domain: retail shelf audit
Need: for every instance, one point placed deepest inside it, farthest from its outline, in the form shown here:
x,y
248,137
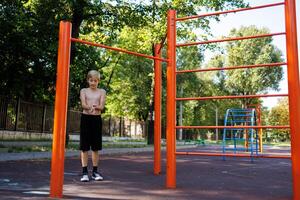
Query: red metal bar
x,y
60,113
233,67
228,11
117,49
171,104
229,39
233,155
294,91
231,97
157,111
232,127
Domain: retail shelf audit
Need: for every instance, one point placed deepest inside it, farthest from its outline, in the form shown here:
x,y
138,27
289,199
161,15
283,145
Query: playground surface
x,y
129,176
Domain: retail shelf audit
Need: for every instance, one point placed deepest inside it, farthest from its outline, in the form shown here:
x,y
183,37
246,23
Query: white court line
x,y
36,192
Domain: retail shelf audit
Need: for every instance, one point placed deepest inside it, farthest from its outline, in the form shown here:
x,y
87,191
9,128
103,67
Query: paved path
x,y
129,176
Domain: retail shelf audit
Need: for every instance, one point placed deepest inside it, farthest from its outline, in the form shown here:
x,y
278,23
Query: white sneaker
x,y
97,176
85,178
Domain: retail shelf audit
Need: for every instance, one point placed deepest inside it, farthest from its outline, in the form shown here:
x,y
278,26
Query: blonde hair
x,y
93,73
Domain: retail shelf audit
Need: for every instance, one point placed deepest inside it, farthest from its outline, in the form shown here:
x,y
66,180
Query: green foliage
x,y
248,52
278,116
25,65
241,81
28,47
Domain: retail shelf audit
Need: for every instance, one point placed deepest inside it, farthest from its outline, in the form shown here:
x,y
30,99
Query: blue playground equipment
x,y
240,139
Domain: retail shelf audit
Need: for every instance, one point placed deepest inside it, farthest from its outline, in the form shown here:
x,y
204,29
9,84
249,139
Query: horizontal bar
x,y
241,109
238,149
232,155
118,49
240,115
232,127
231,97
233,67
240,121
240,139
229,39
228,11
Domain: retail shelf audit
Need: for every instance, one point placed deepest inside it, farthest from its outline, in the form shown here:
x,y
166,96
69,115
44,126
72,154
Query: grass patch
x,y
71,146
20,149
26,140
109,145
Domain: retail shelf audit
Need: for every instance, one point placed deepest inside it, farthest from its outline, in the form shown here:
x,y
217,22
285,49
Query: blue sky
x,y
272,18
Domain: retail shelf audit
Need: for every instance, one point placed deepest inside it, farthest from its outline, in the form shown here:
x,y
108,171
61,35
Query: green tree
x,y
142,39
243,81
248,52
279,116
29,35
25,67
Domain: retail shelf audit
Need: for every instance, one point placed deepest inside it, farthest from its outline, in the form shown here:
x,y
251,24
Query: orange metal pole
x,y
294,91
229,39
60,113
229,11
117,49
231,97
260,140
157,110
233,67
232,127
184,153
246,145
171,105
260,133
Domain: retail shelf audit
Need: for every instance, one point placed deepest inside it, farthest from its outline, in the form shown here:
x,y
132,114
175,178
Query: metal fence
x,y
19,115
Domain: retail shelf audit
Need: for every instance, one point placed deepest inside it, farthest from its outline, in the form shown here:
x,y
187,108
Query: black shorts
x,y
90,132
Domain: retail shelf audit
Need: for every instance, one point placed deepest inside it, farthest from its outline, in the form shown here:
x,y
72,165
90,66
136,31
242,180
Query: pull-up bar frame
x,y
61,103
293,88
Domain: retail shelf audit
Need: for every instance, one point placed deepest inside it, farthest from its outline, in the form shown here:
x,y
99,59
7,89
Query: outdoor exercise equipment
x,y
59,130
240,139
61,102
293,88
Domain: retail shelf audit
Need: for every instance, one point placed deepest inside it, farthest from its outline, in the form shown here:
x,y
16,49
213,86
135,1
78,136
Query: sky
x,y
272,18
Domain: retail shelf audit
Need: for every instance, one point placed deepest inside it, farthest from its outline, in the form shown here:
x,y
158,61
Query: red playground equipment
x,y
293,86
61,102
60,114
